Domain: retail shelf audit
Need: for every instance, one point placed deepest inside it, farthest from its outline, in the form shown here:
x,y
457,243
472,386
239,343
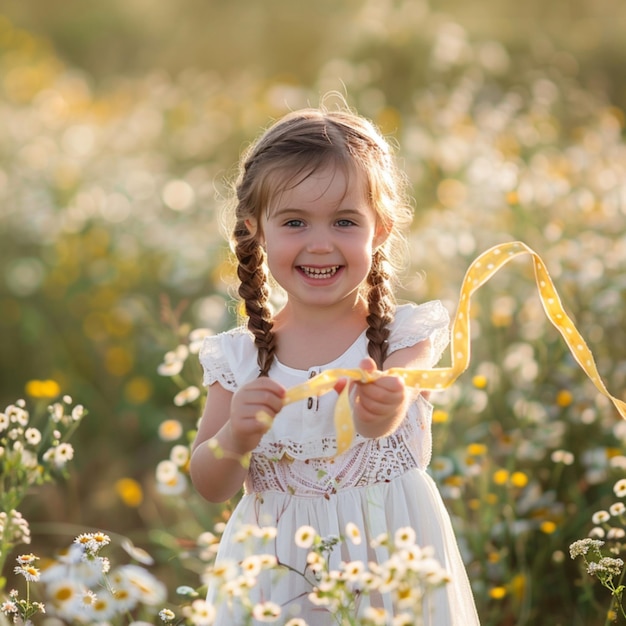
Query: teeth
x,y
320,272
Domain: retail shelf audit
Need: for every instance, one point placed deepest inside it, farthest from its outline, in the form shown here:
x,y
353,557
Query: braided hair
x,y
296,146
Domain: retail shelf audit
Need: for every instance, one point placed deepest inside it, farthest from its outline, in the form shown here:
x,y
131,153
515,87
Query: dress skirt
x,y
409,500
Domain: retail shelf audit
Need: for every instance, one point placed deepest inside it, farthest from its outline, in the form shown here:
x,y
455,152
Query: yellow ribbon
x,y
479,272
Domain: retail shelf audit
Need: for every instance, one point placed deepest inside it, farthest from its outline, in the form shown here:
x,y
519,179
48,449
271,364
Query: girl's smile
x,y
320,273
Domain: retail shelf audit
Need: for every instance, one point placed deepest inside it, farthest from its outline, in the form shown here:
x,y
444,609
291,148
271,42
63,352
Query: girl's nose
x,y
319,243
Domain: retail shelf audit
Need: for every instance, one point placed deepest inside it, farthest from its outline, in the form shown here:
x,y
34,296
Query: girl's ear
x,y
381,234
251,225
253,228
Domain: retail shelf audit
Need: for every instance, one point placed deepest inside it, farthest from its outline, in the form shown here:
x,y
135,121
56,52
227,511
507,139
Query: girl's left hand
x,y
379,406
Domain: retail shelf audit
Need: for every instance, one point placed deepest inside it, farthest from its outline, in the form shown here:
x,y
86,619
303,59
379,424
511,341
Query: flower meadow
x,y
113,267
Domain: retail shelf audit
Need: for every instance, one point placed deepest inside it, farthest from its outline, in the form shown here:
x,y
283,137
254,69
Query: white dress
x,y
378,484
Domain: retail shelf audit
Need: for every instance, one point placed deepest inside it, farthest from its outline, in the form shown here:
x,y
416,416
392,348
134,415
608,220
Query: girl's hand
x,y
379,406
253,407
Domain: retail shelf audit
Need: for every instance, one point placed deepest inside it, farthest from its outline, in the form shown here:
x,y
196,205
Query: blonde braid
x,y
381,306
254,291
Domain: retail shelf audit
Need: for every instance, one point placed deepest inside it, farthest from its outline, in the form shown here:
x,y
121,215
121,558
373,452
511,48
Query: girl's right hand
x,y
258,398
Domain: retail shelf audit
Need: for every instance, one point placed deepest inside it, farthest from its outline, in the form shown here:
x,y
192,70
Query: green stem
x,y
618,592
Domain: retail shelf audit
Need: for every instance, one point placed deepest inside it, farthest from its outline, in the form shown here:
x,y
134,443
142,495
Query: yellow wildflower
x,y
500,477
547,527
479,381
43,389
519,479
439,416
130,491
476,449
564,398
497,593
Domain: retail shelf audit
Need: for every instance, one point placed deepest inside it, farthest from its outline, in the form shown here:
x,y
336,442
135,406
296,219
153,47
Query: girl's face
x,y
319,237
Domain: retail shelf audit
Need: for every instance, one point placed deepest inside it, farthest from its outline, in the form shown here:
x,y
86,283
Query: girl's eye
x,y
344,223
294,223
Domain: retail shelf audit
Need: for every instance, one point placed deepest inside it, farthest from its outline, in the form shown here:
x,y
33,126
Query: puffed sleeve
x,y
229,359
414,323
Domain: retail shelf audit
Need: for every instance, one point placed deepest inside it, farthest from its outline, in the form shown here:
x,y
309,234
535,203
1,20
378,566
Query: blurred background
x,y
121,124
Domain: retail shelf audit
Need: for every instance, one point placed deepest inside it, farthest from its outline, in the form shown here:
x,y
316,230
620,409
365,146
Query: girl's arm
x,y
230,421
380,406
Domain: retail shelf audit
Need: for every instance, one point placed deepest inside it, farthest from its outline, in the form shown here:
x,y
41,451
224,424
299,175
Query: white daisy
x,y
353,533
305,536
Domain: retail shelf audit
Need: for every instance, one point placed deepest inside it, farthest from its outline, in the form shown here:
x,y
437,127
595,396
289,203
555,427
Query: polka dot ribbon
x,y
479,272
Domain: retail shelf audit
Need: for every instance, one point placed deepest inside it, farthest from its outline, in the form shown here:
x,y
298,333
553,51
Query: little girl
x,y
321,205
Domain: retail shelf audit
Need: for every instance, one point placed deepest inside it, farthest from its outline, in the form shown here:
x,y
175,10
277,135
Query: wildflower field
x,y
120,128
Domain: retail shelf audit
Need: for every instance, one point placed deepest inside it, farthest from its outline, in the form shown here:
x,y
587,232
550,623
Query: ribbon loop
x,y
478,273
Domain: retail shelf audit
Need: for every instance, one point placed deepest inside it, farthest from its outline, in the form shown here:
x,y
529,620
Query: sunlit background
x,y
121,123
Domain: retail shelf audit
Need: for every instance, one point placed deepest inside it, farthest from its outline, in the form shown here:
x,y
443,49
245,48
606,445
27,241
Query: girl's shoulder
x,y
428,315
414,323
229,358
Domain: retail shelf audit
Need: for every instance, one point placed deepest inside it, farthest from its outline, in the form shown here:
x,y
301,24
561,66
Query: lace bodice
x,y
296,454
